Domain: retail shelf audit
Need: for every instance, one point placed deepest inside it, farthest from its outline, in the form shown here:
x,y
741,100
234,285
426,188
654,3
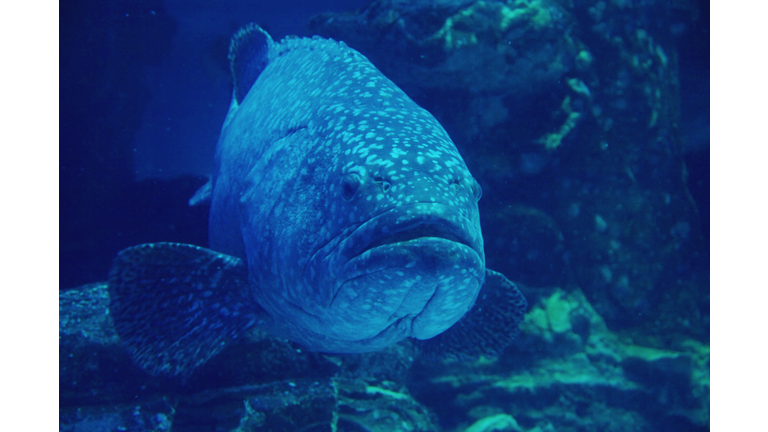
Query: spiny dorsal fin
x,y
248,56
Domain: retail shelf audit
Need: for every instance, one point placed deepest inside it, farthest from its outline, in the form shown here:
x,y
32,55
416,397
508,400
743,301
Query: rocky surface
x,y
566,372
260,384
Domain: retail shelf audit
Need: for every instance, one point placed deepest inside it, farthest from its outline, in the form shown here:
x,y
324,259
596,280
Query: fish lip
x,y
425,226
434,221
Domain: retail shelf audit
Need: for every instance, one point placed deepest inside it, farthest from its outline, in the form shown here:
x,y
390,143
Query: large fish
x,y
342,218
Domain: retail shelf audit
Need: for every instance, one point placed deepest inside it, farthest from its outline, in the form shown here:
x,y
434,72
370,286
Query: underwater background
x,y
585,122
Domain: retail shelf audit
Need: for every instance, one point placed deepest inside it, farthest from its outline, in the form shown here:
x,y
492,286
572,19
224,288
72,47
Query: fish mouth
x,y
343,258
417,232
421,235
412,269
414,222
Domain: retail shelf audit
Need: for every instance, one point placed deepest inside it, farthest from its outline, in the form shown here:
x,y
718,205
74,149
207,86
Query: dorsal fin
x,y
248,56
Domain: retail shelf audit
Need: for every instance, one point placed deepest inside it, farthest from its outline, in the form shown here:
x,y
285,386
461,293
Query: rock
x,y
154,415
282,405
568,371
498,422
384,407
92,364
259,384
558,314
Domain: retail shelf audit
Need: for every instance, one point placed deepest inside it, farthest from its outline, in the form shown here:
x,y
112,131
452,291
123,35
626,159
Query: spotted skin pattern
x,y
324,157
342,218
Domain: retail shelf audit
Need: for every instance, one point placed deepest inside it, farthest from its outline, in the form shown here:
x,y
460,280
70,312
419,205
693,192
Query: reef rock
x,y
566,372
569,372
260,384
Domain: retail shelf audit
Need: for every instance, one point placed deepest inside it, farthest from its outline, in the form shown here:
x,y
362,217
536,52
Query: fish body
x,y
342,218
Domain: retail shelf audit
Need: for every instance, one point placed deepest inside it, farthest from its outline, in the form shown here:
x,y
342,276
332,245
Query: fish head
x,y
401,250
360,220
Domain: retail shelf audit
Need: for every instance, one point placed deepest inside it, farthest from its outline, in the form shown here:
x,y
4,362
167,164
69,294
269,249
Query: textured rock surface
x,y
566,372
260,384
92,364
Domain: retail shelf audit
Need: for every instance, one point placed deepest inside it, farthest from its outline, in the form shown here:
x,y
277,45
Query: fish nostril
x,y
385,185
455,185
350,183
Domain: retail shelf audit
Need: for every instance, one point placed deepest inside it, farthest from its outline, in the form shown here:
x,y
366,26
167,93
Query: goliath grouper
x,y
342,218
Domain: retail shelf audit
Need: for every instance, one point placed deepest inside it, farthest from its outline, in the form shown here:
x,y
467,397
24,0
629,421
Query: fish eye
x,y
477,190
350,183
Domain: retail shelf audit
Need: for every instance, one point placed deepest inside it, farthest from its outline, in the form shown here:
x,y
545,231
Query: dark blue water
x,y
145,86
